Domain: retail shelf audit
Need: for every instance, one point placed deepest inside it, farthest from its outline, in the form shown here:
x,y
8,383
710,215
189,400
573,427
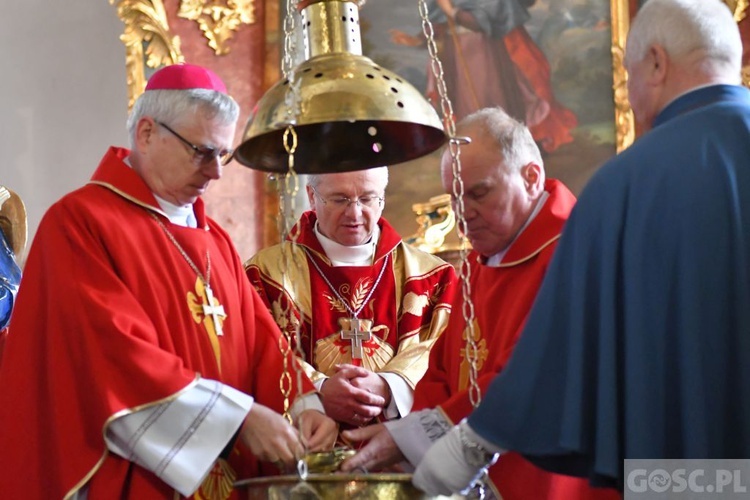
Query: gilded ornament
x,y
148,41
436,221
738,8
218,20
624,120
472,358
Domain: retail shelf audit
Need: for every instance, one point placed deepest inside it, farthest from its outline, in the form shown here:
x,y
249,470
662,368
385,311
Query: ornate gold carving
x,y
738,8
218,21
624,121
148,42
436,221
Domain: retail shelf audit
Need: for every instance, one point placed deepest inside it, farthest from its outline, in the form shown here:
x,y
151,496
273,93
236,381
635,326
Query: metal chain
x,y
292,96
292,189
471,351
336,292
437,70
288,187
289,42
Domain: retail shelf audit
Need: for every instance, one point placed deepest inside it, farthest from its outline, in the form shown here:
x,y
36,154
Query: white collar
x,y
181,215
342,255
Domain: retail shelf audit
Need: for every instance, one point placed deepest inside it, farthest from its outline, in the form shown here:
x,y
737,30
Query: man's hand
x,y
364,379
271,437
380,452
349,403
319,432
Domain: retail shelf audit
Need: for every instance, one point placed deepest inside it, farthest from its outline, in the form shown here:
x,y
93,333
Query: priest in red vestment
x,y
514,219
134,366
368,306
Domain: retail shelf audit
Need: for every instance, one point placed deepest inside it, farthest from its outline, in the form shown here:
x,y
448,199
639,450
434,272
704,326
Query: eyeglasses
x,y
202,155
342,202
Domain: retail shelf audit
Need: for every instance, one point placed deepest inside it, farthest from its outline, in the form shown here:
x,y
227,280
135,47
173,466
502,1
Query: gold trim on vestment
x,y
532,254
407,264
130,198
115,416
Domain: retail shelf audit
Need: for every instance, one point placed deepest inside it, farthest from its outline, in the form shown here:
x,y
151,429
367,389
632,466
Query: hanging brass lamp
x,y
348,112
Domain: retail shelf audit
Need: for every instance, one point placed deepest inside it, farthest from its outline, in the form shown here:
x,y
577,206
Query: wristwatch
x,y
475,454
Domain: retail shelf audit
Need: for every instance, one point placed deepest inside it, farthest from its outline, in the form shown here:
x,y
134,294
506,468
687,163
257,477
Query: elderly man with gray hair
x,y
138,360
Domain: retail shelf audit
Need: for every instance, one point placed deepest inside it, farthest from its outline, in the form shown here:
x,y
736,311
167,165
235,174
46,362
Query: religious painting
x,y
556,65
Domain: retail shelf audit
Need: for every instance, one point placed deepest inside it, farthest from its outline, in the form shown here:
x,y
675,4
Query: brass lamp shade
x,y
352,113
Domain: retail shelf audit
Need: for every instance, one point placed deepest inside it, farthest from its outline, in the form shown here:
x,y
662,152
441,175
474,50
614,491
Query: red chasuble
x,y
502,299
108,320
408,309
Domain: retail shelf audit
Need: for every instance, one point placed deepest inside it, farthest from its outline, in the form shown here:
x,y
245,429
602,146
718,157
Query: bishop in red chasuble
x,y
139,351
364,301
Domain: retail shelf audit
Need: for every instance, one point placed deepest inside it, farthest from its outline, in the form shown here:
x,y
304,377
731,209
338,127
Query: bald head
x,y
503,178
677,45
502,134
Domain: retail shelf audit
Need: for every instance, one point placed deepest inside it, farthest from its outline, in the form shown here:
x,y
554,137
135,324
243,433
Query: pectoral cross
x,y
216,312
358,331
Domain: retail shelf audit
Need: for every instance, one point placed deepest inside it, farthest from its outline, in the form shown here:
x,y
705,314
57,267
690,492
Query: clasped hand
x,y
354,395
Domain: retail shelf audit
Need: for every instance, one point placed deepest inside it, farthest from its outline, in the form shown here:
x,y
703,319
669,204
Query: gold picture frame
x,y
149,45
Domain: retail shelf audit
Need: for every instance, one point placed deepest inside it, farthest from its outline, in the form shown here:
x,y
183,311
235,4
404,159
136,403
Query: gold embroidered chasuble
x,y
408,308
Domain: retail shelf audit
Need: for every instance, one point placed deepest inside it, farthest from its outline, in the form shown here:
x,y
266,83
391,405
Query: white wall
x,y
63,96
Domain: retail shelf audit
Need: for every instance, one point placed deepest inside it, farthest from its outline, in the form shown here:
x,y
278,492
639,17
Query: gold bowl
x,y
320,481
327,461
331,486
